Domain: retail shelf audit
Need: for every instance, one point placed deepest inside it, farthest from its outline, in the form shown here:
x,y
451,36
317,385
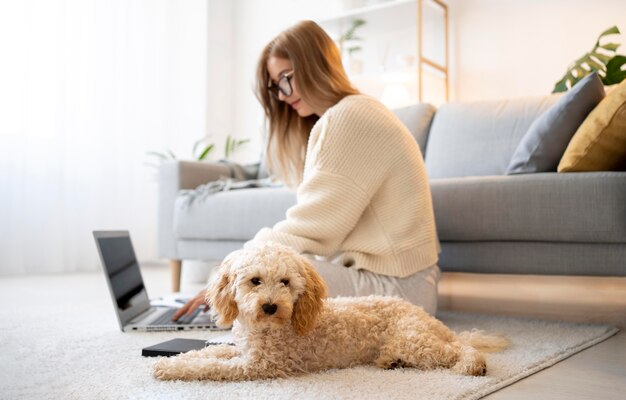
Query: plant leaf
x,y
195,146
349,34
157,154
560,86
580,73
589,62
610,46
603,58
614,72
227,147
594,65
206,152
612,30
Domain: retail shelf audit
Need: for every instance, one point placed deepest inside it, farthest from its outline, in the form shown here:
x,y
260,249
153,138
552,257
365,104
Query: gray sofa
x,y
487,222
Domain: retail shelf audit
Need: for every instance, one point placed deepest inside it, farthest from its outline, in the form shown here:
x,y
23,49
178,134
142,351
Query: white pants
x,y
419,288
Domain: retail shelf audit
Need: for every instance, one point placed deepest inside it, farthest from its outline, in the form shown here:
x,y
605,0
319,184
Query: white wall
x,y
86,88
220,72
512,48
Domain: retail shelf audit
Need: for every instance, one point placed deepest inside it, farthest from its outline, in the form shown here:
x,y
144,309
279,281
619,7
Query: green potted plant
x,y
349,43
602,59
202,149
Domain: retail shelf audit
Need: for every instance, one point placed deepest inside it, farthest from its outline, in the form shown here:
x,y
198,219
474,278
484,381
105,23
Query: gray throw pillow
x,y
547,138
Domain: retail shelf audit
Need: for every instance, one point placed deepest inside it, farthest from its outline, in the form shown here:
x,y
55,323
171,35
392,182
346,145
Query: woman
x,y
364,208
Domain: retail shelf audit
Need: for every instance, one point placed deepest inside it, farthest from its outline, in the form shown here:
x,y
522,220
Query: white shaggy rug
x,y
43,357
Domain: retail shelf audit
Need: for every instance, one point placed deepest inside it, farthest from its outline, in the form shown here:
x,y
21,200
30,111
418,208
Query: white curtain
x,y
87,87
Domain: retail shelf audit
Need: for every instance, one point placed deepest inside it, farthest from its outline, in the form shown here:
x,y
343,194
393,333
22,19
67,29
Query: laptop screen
x,y
122,269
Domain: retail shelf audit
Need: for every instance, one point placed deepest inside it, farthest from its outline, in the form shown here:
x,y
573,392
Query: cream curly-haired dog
x,y
283,326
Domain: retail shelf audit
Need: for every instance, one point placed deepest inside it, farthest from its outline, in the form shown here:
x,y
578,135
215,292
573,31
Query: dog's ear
x,y
221,294
309,305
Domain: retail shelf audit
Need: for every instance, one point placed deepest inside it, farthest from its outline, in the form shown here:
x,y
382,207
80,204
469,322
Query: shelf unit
x,y
392,20
423,59
360,11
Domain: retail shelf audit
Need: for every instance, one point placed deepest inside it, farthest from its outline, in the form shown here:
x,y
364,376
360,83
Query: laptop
x,y
129,295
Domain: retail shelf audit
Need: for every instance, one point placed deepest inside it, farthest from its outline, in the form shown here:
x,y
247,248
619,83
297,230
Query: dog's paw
x,y
478,368
471,363
164,370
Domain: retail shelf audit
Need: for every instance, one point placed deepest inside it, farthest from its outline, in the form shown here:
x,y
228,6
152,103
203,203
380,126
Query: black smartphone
x,y
173,347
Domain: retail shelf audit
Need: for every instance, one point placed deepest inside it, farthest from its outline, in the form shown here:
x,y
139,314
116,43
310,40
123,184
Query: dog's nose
x,y
269,309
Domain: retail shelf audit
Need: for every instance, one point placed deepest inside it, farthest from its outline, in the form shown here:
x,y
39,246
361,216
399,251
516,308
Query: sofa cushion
x,y
474,139
417,118
232,215
584,207
543,145
599,144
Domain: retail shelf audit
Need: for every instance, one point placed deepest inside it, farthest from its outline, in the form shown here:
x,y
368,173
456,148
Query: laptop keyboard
x,y
166,318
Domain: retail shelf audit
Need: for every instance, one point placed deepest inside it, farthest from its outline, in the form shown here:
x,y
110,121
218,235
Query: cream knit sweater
x,y
364,200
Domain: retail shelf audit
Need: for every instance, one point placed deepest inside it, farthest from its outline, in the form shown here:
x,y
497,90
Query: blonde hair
x,y
321,82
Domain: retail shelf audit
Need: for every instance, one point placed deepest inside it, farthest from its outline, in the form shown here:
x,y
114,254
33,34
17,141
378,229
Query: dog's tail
x,y
482,342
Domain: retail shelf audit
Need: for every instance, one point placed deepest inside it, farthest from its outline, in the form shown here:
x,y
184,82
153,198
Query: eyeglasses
x,y
283,85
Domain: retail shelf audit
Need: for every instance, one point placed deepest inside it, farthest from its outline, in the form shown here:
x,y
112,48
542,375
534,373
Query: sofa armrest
x,y
173,177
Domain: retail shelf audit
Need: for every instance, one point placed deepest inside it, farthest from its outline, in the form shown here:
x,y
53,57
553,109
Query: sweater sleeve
x,y
328,207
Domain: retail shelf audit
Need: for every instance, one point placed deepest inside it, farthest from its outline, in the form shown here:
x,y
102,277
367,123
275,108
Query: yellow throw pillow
x,y
599,144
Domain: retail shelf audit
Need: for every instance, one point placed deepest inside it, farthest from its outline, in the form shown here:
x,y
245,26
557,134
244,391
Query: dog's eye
x,y
255,281
285,282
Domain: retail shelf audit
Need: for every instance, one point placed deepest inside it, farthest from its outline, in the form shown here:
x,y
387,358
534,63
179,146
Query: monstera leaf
x,y
598,59
614,72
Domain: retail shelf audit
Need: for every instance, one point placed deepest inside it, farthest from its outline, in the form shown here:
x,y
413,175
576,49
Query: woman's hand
x,y
191,305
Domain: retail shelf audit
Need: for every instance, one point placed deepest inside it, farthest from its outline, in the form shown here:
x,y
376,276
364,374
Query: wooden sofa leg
x,y
175,268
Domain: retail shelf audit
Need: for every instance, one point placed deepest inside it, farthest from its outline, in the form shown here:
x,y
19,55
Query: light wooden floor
x,y
595,373
570,298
